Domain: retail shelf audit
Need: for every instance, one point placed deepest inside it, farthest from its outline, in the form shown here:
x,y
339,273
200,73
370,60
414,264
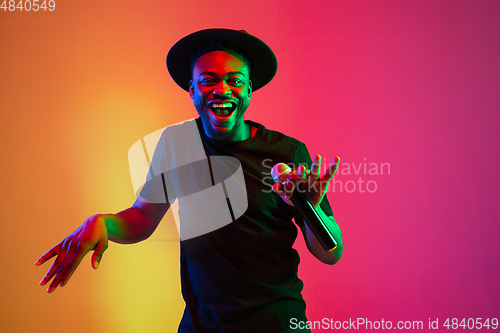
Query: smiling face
x,y
221,89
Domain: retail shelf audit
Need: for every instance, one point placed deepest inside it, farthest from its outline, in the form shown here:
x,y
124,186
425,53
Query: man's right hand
x,y
91,235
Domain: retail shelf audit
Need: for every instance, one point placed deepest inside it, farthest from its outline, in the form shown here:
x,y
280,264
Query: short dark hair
x,y
219,46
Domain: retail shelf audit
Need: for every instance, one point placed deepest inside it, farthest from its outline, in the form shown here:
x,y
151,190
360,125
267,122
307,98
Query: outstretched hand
x,y
308,182
91,235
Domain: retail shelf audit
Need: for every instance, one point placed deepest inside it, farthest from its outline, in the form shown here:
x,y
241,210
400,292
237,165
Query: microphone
x,y
280,173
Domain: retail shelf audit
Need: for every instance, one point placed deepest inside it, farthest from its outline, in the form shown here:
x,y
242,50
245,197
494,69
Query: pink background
x,y
409,83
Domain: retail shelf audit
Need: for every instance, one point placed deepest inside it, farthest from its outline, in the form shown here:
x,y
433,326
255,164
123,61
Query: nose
x,y
222,90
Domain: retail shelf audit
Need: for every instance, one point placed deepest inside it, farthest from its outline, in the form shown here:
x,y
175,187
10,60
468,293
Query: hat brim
x,y
263,61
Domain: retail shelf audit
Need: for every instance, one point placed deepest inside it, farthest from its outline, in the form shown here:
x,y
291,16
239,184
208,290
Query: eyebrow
x,y
215,74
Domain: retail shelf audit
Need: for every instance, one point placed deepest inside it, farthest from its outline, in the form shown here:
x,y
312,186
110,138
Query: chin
x,y
221,134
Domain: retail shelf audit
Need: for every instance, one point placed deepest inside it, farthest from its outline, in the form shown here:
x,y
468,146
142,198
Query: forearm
x,y
129,226
315,247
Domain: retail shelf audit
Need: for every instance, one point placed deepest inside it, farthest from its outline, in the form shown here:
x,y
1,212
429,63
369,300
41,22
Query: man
x,y
242,276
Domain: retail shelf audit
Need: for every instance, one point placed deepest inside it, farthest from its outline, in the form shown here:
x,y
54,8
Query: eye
x,y
235,82
207,82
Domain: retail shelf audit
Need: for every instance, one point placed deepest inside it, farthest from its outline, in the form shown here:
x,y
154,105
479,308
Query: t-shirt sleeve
x,y
158,183
302,157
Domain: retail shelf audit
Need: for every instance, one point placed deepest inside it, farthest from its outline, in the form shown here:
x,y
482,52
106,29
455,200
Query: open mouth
x,y
222,110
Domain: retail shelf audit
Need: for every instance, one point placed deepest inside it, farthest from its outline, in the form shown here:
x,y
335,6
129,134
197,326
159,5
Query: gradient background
x,y
410,83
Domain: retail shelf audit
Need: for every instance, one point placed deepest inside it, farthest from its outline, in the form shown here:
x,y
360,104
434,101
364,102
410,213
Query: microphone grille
x,y
280,172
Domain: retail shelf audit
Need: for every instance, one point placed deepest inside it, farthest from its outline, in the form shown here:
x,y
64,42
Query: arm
x,y
314,187
132,225
314,246
136,223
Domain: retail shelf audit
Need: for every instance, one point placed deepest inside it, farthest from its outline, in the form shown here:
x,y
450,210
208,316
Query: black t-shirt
x,y
243,276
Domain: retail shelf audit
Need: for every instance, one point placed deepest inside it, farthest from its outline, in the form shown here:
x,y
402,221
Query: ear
x,y
249,89
191,89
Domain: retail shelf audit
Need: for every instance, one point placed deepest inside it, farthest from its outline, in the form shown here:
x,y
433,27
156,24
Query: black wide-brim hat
x,y
263,61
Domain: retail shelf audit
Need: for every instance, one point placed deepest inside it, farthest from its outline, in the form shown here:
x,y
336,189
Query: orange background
x,y
410,83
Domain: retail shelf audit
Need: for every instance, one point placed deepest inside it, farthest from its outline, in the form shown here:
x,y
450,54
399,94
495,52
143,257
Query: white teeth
x,y
222,105
221,109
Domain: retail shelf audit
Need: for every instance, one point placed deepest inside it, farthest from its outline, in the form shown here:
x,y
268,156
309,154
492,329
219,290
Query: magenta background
x,y
414,84
410,83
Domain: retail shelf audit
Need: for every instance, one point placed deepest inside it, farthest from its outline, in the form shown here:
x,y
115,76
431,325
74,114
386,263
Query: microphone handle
x,y
314,221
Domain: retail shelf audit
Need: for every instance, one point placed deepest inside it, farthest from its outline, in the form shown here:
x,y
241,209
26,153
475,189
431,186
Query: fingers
x,y
53,269
302,172
98,252
282,192
75,261
78,257
277,189
285,190
331,170
316,167
58,269
49,254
